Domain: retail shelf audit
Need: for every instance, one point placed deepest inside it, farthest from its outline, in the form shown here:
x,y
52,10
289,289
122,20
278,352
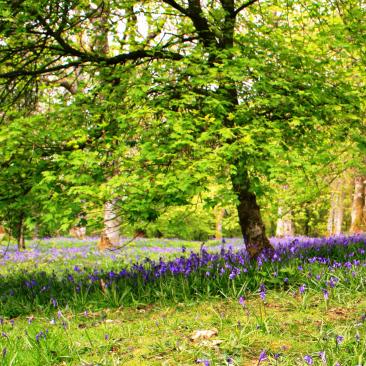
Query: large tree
x,y
246,79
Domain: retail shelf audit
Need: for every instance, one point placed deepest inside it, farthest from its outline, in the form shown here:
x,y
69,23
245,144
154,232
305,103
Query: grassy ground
x,y
322,323
287,325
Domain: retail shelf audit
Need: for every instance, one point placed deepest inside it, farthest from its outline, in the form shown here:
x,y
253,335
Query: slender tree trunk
x,y
219,216
358,206
307,222
336,210
2,232
78,232
285,225
112,222
20,233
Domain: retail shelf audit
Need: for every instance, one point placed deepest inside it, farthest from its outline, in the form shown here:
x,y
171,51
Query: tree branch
x,y
176,6
136,55
40,71
243,6
119,59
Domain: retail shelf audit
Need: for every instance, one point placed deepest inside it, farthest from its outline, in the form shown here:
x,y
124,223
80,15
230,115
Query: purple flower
x,y
262,291
339,339
308,359
262,357
106,337
40,335
242,301
205,362
322,356
302,288
325,294
4,352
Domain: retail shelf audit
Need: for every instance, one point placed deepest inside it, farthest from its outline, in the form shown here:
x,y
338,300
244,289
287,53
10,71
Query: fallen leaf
x,y
203,334
212,343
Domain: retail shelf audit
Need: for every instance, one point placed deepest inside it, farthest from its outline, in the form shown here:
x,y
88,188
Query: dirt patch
x,y
340,313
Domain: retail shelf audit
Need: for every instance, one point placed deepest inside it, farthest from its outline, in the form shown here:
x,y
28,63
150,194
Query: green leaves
x,y
177,105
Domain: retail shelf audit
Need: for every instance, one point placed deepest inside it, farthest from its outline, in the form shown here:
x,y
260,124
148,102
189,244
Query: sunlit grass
x,y
306,309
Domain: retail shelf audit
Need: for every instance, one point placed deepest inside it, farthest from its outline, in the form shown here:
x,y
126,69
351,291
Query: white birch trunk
x,y
219,216
285,225
358,206
336,211
78,232
112,222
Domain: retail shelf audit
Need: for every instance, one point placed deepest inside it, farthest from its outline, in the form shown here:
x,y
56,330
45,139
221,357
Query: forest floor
x,y
292,325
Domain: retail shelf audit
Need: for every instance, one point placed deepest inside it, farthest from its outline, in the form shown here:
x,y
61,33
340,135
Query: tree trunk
x,y
250,220
78,232
219,216
285,225
2,232
336,210
358,205
112,222
20,233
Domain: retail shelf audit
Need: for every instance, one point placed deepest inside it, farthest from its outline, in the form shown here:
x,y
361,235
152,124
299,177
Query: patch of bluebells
x,y
221,265
217,265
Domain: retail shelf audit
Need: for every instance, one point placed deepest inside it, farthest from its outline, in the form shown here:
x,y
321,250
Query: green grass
x,y
160,335
154,323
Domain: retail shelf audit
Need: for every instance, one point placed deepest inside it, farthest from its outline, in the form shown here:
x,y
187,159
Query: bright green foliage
x,y
157,121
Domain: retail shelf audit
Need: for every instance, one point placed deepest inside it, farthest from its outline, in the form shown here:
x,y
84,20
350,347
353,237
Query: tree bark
x,y
2,232
250,219
358,206
112,222
20,233
336,210
307,221
285,225
219,216
78,232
